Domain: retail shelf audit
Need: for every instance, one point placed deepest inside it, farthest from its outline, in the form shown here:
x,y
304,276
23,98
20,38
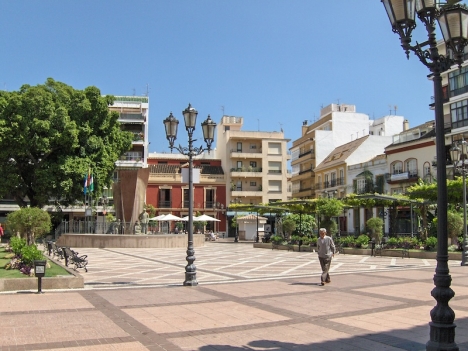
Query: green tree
x,y
329,208
375,224
30,223
289,225
50,136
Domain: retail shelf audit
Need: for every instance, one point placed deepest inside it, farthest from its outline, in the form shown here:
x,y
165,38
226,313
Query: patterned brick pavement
x,y
371,304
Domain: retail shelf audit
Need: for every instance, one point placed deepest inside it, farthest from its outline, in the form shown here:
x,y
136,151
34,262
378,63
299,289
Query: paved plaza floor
x,y
247,299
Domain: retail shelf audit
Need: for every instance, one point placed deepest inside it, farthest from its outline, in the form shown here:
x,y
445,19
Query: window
x,y
412,167
274,185
326,183
165,198
361,185
427,168
333,179
239,185
397,191
253,146
186,198
458,82
459,113
253,183
209,198
274,167
274,148
239,165
239,147
397,167
253,164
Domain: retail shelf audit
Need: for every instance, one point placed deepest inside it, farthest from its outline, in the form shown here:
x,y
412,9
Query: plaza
x,y
247,299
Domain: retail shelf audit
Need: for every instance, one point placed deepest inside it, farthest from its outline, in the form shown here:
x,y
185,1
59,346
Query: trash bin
x,y
39,272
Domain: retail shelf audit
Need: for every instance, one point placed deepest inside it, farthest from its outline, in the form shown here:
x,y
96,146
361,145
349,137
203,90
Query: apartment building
x,y
336,126
411,156
131,170
168,190
255,163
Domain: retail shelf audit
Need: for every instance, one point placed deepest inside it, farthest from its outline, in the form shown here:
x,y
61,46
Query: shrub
x,y
431,242
29,254
348,241
452,248
362,240
17,244
276,239
408,243
392,243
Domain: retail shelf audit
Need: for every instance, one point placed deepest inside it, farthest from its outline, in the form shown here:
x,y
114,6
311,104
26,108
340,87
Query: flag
x,y
91,184
85,183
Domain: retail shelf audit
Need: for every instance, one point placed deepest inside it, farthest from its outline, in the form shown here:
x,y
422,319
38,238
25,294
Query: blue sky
x,y
273,62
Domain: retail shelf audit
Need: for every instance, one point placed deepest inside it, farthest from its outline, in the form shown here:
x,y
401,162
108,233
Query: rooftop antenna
x,y
133,91
258,123
147,90
222,109
281,127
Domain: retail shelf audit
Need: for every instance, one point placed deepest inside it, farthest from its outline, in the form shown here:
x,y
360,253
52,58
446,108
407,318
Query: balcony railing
x,y
165,204
247,169
403,175
274,171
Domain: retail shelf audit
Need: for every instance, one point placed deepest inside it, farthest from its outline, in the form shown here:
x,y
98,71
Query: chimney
x,y
405,125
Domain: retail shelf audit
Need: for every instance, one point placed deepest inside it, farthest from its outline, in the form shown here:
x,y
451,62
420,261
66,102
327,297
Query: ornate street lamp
x,y
459,158
453,24
208,127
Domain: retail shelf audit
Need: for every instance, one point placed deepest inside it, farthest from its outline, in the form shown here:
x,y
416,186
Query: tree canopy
x,y
50,136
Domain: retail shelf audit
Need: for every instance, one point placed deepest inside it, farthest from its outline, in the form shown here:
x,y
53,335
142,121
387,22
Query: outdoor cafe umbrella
x,y
205,218
157,218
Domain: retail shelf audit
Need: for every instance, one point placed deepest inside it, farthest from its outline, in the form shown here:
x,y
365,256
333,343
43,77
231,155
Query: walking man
x,y
325,250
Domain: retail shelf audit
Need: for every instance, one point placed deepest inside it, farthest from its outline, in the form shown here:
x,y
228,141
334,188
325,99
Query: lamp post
x,y
459,154
208,128
236,201
451,19
105,201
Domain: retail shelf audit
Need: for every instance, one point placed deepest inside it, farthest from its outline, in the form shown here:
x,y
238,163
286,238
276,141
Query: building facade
x,y
337,125
255,163
168,190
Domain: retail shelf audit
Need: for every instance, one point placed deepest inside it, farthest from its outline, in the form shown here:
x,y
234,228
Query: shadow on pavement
x,y
397,338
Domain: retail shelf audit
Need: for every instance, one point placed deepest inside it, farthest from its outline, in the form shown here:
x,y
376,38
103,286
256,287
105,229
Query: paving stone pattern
x,y
247,299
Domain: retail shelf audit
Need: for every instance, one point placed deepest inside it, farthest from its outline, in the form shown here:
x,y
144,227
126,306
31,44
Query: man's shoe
x,y
327,281
322,283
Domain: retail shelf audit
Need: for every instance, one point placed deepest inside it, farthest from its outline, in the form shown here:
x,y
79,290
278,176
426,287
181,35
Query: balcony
x,y
245,172
402,176
245,193
131,118
252,153
164,204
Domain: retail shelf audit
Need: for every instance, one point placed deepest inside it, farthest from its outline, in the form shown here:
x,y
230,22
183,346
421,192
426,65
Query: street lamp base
x,y
445,334
190,279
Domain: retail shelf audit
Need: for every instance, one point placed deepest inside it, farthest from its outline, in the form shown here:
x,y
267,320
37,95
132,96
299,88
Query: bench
x,y
57,251
379,248
74,258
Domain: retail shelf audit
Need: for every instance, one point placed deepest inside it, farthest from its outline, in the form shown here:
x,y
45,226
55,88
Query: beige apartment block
x,y
131,177
336,126
255,163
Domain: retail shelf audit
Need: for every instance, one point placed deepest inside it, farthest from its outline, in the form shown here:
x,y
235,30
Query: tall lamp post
x,y
105,201
236,201
459,154
451,19
208,128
